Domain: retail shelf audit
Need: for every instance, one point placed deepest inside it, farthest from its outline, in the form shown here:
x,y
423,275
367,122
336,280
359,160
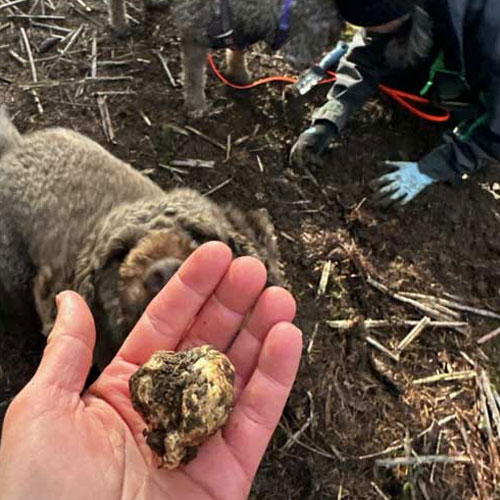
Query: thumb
x,y
67,358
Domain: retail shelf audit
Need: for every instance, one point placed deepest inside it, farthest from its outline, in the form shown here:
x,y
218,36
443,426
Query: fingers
x,y
170,313
261,403
223,314
274,305
67,358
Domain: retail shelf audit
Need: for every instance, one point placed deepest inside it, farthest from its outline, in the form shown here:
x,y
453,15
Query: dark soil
x,y
343,405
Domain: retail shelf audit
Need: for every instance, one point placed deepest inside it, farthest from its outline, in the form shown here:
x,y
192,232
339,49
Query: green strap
x,y
438,66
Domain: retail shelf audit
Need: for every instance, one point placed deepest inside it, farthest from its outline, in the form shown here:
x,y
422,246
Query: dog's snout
x,y
159,273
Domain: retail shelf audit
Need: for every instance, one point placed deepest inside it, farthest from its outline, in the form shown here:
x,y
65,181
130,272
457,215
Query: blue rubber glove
x,y
401,185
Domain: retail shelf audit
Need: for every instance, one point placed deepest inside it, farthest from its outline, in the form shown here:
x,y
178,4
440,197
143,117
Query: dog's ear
x,y
100,250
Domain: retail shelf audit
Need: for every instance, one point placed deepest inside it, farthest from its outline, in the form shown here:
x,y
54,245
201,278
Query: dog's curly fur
x,y
313,24
73,216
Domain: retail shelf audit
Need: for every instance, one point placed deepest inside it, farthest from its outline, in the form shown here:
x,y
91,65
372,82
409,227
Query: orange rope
x,y
401,97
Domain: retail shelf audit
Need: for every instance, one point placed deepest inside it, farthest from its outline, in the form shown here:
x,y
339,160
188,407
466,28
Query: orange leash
x,y
405,99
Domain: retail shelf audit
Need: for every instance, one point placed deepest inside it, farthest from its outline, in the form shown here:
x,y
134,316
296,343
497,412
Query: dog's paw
x,y
197,113
196,109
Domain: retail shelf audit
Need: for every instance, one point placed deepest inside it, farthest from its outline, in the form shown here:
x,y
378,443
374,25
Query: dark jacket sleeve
x,y
458,157
358,75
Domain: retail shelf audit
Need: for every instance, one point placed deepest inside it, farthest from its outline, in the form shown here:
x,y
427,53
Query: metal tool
x,y
314,75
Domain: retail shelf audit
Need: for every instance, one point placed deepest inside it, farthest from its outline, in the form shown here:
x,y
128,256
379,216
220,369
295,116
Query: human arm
x,y
58,443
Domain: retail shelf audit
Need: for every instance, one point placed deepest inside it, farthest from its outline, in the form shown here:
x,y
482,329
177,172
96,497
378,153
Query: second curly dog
x,y
72,216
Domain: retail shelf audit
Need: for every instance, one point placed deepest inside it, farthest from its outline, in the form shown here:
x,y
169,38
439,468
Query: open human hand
x,y
60,443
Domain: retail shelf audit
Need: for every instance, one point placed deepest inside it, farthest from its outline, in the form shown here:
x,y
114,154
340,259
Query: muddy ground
x,y
345,404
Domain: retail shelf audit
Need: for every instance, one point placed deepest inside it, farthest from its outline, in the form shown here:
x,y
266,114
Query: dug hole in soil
x,y
344,410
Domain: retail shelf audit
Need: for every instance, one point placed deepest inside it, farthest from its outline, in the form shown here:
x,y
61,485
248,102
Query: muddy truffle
x,y
184,398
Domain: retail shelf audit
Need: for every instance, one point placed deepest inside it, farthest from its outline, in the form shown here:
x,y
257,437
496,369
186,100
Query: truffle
x,y
184,398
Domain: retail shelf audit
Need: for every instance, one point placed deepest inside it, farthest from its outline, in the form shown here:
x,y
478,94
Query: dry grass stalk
x,y
206,137
325,276
484,380
438,446
165,67
32,68
312,339
74,81
260,164
219,186
433,313
371,324
106,118
423,460
93,60
379,491
228,147
489,336
451,304
446,377
193,163
294,437
375,343
474,470
415,332
173,169
11,4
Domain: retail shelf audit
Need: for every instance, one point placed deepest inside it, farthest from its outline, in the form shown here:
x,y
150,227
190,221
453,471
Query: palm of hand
x,y
93,447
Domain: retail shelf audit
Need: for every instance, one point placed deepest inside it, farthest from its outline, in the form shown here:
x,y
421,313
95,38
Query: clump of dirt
x,y
344,412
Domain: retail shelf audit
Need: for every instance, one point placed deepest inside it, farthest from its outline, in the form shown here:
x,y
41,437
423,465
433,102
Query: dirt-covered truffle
x,y
184,398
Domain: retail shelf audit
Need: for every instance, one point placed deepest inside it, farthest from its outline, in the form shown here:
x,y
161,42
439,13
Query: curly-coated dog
x,y
302,27
73,216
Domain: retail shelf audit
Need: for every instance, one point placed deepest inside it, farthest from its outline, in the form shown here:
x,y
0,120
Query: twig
x,y
325,276
33,69
371,324
114,92
490,399
432,301
438,446
11,4
74,81
489,336
165,67
51,27
294,437
423,460
72,39
375,343
35,16
93,62
228,147
193,163
476,479
105,117
17,57
379,491
446,377
433,313
219,186
206,137
455,305
311,340
260,164
173,169
415,332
